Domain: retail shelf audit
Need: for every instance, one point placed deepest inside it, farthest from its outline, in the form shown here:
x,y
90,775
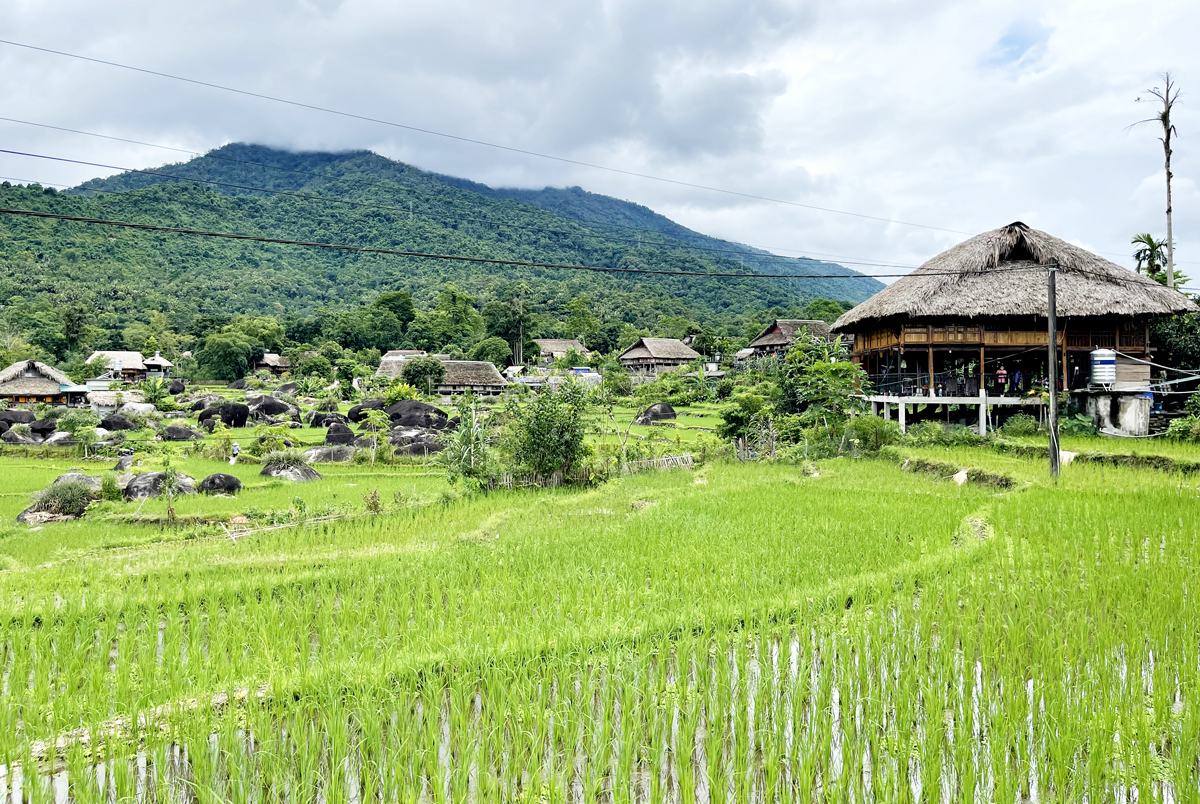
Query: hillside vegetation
x,y
109,279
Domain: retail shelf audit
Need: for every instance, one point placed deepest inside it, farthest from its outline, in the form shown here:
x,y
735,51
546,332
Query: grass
x,y
748,630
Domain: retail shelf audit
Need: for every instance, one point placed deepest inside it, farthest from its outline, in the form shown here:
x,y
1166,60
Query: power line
x,y
367,204
425,255
469,140
841,258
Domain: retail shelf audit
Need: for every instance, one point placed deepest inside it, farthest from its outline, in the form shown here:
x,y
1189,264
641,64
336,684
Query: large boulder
x,y
413,413
339,434
342,454
138,408
420,448
5,427
149,484
220,483
17,416
116,422
13,437
656,413
123,463
60,438
358,412
78,477
296,472
414,441
43,427
233,414
175,433
286,388
237,385
318,418
268,407
176,387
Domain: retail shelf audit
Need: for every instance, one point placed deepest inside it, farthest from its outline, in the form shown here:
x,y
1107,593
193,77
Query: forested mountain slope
x,y
120,276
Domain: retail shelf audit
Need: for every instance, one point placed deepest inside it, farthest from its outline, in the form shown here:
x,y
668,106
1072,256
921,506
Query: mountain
x,y
122,276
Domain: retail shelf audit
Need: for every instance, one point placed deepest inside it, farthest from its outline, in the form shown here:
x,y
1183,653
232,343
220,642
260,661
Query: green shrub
x,y
70,498
1192,406
1020,424
398,391
1184,429
109,490
872,433
285,458
1077,425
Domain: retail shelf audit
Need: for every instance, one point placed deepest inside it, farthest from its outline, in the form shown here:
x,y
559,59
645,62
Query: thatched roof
x,y
273,360
555,347
1001,273
782,331
390,368
659,349
471,372
44,380
129,361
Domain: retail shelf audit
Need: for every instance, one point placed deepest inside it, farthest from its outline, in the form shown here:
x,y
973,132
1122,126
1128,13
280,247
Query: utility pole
x,y
1052,364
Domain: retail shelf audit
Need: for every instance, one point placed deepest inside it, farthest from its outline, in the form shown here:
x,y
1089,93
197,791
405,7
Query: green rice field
x,y
739,632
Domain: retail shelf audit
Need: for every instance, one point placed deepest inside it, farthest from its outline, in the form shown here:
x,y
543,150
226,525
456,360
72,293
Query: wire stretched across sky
x,y
806,253
30,213
402,210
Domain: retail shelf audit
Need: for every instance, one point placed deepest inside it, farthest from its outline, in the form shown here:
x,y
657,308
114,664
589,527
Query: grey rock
x,y
220,483
339,434
656,413
140,408
60,439
176,387
173,433
233,414
11,437
78,477
116,422
341,454
149,484
17,416
413,413
358,412
43,427
298,474
123,463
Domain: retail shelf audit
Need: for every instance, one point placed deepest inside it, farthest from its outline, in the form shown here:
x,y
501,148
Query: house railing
x,y
949,383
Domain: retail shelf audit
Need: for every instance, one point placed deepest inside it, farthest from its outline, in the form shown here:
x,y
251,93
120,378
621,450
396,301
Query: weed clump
x,y
1020,424
69,498
285,459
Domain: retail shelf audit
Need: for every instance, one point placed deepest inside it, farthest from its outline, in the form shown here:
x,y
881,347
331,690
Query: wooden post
x,y
1051,372
931,383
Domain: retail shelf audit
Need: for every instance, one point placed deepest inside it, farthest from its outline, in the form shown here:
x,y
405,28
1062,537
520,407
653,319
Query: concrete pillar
x,y
983,411
874,408
1133,414
887,411
903,409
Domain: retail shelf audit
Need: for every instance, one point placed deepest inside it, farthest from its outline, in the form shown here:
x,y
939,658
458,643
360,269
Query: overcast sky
x,y
959,116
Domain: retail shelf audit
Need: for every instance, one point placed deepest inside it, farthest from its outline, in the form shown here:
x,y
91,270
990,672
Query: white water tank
x,y
1104,367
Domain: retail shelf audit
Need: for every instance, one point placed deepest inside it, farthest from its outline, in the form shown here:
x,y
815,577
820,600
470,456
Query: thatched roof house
x,y
554,348
28,381
478,377
653,355
984,301
778,336
131,366
275,363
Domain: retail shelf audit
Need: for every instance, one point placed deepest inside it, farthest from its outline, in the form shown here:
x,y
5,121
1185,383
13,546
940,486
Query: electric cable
x,y
387,207
426,255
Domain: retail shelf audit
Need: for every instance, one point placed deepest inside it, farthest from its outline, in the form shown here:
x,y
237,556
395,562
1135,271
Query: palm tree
x,y
1152,259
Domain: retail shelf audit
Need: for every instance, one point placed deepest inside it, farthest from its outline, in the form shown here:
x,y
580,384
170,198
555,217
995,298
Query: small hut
x,y
553,348
650,356
477,377
779,335
973,319
127,366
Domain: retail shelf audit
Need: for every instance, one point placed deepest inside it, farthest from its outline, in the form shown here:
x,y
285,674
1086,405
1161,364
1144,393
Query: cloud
x,y
962,116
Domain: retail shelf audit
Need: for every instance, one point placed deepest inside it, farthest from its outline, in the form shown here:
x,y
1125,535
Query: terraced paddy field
x,y
740,632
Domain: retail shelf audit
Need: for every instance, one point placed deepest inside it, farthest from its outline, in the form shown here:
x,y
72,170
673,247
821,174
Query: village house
x,y
778,336
969,327
31,382
651,356
129,367
478,377
275,363
554,348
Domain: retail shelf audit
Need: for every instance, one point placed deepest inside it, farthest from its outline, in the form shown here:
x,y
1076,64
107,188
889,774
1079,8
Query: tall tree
x,y
1166,95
